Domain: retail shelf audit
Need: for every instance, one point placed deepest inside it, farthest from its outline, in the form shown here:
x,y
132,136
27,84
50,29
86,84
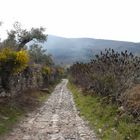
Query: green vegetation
x,y
18,37
24,70
111,75
12,61
38,55
8,117
108,121
18,58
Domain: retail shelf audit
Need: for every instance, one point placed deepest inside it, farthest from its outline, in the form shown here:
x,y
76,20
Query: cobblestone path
x,y
57,119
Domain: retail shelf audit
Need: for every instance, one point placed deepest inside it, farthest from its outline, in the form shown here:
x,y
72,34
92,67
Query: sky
x,y
102,19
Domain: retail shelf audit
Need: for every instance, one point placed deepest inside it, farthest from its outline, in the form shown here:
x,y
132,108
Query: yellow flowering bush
x,y
13,61
46,70
22,59
6,54
61,71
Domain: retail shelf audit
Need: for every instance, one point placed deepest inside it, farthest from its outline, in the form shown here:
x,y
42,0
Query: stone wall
x,y
29,79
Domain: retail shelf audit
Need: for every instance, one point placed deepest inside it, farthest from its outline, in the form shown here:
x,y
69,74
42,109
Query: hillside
x,y
69,50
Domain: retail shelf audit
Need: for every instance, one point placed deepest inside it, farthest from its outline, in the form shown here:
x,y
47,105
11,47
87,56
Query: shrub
x,y
22,59
46,70
12,61
109,74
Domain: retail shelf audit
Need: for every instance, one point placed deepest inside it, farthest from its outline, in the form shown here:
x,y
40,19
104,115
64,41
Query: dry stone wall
x,y
28,79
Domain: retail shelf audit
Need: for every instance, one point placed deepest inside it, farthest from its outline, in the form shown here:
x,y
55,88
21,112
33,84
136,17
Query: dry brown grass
x,y
131,100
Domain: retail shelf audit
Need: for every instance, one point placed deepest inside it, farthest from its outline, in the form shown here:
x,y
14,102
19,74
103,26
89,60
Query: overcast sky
x,y
106,19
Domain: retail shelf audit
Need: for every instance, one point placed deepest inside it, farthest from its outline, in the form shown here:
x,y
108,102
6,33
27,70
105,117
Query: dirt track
x,y
57,119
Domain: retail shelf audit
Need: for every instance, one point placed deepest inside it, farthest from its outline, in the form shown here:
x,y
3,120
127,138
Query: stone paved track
x,y
57,119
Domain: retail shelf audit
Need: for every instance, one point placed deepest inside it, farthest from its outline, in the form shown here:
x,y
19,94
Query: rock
x,y
45,90
100,130
3,94
137,80
4,117
121,109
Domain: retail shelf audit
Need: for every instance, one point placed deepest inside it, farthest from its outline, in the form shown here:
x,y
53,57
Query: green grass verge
x,y
8,117
105,118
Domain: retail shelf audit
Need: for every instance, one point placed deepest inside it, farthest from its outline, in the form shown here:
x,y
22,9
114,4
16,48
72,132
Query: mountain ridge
x,y
69,50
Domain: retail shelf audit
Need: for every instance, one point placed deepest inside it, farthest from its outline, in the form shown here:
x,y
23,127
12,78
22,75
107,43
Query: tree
x,y
39,56
19,37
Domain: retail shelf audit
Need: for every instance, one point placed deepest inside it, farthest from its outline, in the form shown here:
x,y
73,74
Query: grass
x,y
106,119
13,110
8,117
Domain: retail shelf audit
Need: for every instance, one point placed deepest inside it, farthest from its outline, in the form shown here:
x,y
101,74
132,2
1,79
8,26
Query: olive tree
x,y
18,37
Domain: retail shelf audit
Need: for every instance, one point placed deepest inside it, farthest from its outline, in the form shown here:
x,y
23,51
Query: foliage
x,y
46,70
22,59
15,56
38,55
107,120
13,61
18,37
109,75
61,70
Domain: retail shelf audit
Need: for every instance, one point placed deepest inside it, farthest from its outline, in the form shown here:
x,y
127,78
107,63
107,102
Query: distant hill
x,y
70,50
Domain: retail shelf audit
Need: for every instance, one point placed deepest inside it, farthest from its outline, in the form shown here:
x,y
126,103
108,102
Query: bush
x,y
46,70
106,85
12,61
110,74
22,59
